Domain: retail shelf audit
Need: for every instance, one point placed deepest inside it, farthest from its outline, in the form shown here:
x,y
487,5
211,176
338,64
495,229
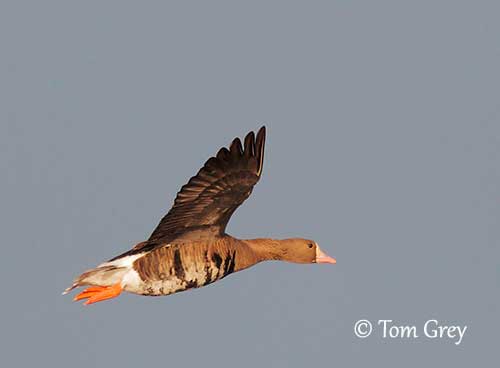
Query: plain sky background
x,y
383,144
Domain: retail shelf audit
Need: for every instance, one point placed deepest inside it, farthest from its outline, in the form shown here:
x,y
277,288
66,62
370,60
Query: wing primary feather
x,y
259,145
250,144
235,148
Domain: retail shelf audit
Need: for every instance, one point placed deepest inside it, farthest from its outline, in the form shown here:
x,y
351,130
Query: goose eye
x,y
310,245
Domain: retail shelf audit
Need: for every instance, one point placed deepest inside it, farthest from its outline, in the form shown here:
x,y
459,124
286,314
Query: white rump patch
x,y
126,261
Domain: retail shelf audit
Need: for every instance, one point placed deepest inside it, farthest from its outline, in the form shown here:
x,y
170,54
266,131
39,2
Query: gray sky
x,y
383,146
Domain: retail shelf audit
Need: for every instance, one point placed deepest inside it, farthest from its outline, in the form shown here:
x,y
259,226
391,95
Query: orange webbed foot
x,y
99,293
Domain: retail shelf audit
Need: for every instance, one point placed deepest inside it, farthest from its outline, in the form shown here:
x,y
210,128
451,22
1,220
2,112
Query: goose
x,y
190,247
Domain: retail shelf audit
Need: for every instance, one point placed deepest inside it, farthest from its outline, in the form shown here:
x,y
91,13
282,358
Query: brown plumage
x,y
190,248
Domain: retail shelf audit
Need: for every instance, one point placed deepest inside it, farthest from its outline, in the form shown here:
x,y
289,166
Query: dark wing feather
x,y
210,197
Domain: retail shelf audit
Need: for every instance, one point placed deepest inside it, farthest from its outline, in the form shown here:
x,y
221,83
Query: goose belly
x,y
171,284
180,272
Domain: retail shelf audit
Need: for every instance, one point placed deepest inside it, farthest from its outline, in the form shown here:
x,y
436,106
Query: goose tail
x,y
105,275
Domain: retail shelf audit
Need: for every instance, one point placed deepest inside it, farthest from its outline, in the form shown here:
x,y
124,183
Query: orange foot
x,y
99,293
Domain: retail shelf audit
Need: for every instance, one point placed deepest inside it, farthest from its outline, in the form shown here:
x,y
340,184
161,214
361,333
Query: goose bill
x,y
322,257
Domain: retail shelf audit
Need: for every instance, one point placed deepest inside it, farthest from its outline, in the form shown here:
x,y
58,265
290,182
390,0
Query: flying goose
x,y
190,248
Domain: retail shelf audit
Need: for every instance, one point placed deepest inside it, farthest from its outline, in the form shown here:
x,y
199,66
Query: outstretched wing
x,y
211,196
